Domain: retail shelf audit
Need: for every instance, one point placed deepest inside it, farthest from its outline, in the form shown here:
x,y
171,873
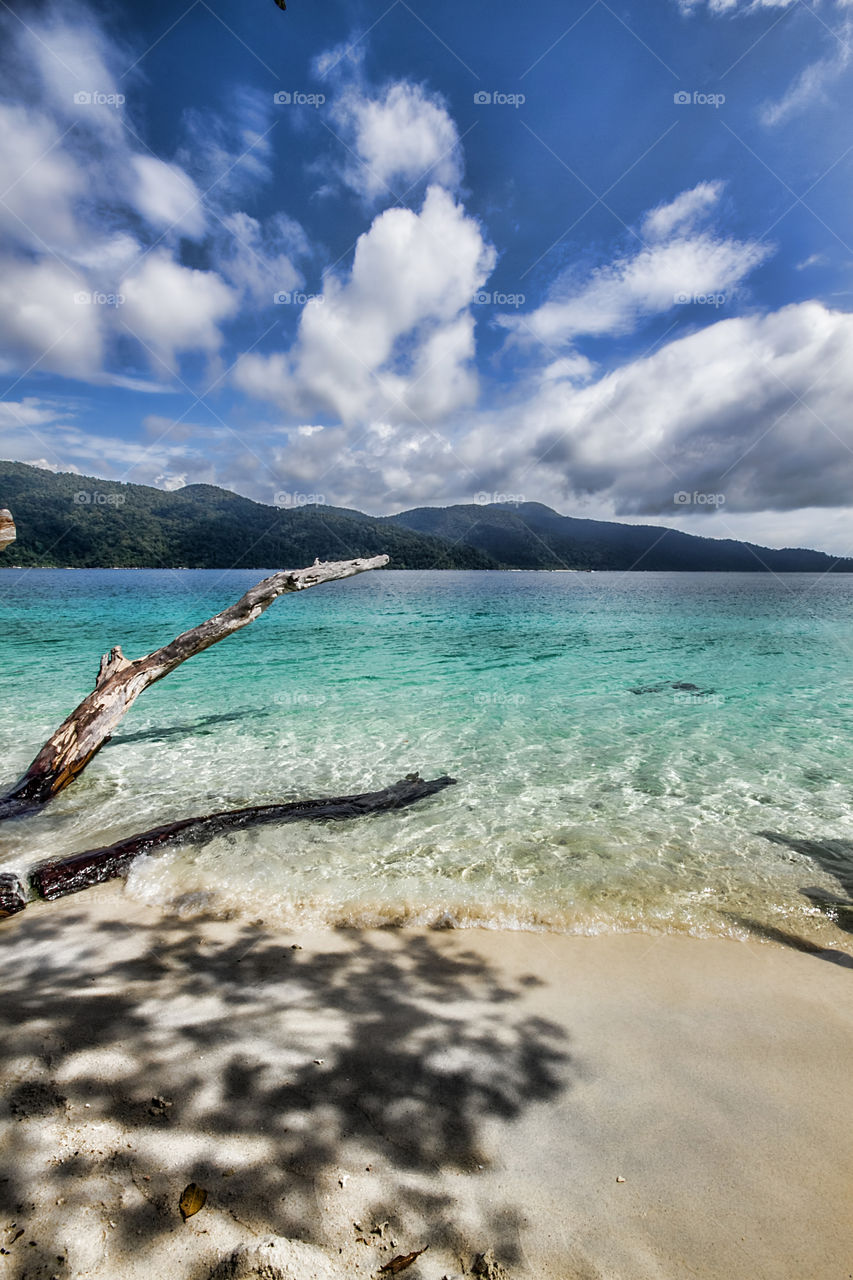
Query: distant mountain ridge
x,y
532,536
66,520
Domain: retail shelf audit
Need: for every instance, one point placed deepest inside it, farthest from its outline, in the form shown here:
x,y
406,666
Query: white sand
x,y
471,1089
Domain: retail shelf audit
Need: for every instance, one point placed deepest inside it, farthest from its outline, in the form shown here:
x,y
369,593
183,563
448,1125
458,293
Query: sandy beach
x,y
625,1107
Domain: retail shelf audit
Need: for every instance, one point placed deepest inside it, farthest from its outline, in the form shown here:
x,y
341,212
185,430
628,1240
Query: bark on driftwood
x,y
8,533
57,878
120,682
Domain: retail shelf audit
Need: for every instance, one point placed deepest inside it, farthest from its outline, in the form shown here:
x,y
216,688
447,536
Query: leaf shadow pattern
x,y
223,1054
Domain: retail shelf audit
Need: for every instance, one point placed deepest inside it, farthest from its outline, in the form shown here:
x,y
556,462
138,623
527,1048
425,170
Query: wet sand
x,y
621,1107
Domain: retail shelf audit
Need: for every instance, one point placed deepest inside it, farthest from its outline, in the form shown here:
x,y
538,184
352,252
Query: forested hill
x,y
532,536
83,522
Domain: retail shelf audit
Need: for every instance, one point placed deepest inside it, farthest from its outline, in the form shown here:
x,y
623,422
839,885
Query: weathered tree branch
x,y
57,878
120,681
8,533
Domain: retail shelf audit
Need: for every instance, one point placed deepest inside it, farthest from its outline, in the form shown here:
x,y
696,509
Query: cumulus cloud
x,y
676,264
399,139
76,183
45,319
40,183
173,308
395,336
753,407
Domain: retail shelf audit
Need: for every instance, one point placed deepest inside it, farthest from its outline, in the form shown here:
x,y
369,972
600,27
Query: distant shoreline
x,y
262,569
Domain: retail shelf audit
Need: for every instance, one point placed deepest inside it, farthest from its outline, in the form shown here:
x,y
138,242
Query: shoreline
x,y
474,1090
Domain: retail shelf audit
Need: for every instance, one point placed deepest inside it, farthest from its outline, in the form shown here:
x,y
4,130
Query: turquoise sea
x,y
582,805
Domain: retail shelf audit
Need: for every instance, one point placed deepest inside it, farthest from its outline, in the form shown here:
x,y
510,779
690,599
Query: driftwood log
x,y
120,681
57,878
8,533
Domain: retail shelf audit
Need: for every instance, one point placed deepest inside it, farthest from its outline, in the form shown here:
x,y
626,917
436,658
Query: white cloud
x,y
71,56
39,182
811,84
754,407
572,368
258,258
171,483
666,271
813,260
400,139
395,337
729,6
683,213
42,321
76,183
166,197
29,412
173,308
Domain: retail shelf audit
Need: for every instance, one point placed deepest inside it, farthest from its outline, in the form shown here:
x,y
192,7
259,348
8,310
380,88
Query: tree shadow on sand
x,y
382,1050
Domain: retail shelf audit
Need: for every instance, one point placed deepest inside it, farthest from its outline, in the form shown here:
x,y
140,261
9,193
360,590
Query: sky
x,y
383,254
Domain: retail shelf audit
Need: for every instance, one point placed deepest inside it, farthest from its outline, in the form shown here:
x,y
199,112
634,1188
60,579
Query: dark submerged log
x,y
69,875
120,682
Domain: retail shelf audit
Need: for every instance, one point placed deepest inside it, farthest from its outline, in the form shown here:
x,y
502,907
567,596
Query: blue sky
x,y
398,254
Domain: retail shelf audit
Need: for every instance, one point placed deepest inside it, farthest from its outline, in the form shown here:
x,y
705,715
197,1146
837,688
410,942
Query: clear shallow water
x,y
581,805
